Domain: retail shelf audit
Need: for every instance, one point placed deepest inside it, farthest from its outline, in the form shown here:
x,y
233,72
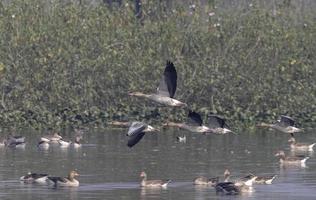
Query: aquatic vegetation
x,y
66,63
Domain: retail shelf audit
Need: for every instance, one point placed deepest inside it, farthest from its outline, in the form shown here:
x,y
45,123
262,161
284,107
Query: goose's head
x,y
143,174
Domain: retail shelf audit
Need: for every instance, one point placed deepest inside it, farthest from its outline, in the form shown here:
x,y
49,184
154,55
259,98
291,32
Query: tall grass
x,y
66,63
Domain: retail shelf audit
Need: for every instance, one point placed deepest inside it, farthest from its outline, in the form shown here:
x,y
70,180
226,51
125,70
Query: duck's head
x,y
142,174
73,174
56,135
279,154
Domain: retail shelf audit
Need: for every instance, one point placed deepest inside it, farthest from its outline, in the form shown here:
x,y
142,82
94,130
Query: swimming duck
x,y
15,139
64,143
52,138
285,124
300,146
295,160
34,178
211,181
247,180
65,181
218,124
43,144
152,183
137,131
166,89
265,179
194,124
202,180
76,143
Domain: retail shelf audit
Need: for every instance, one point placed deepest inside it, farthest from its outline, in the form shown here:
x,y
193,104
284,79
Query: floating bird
x,y
52,138
295,160
166,89
34,178
65,181
265,179
64,143
182,139
231,188
202,180
218,124
285,124
15,139
76,143
211,181
43,144
137,131
300,146
152,183
194,124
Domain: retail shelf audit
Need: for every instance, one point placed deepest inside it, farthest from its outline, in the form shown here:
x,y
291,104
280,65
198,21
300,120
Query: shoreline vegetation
x,y
74,64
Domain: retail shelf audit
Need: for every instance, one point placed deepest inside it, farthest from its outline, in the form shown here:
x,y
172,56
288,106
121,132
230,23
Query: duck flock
x,y
137,130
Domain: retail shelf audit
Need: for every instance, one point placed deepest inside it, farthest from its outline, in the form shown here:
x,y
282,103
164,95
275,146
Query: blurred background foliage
x,y
74,62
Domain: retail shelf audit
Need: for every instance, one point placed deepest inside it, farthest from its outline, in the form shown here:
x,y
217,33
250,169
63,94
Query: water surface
x,y
110,170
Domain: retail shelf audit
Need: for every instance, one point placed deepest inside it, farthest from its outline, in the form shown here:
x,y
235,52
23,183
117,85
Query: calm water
x,y
110,170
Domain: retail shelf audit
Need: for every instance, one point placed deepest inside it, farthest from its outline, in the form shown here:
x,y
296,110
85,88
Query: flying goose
x,y
137,131
285,124
194,124
166,89
218,124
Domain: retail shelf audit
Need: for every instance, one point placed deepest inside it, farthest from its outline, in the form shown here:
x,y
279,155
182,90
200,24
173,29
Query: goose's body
x,y
43,144
246,180
52,138
285,124
152,183
137,131
265,179
231,188
166,89
16,139
64,143
218,124
300,146
69,181
295,160
194,124
206,181
34,178
13,144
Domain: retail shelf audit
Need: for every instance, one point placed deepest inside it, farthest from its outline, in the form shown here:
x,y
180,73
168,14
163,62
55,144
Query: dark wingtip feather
x,y
195,117
134,139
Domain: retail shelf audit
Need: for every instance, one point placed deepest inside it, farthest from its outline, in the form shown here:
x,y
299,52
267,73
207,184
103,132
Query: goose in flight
x,y
166,89
285,124
137,131
194,124
218,124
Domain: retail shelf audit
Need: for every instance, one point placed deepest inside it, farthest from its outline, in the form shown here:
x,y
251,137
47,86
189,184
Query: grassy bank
x,y
74,64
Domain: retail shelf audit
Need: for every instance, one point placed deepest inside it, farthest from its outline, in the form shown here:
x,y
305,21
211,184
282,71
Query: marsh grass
x,y
70,64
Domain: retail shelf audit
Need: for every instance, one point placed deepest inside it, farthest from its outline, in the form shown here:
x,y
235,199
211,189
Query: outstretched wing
x,y
287,121
194,119
168,83
215,121
136,127
135,138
